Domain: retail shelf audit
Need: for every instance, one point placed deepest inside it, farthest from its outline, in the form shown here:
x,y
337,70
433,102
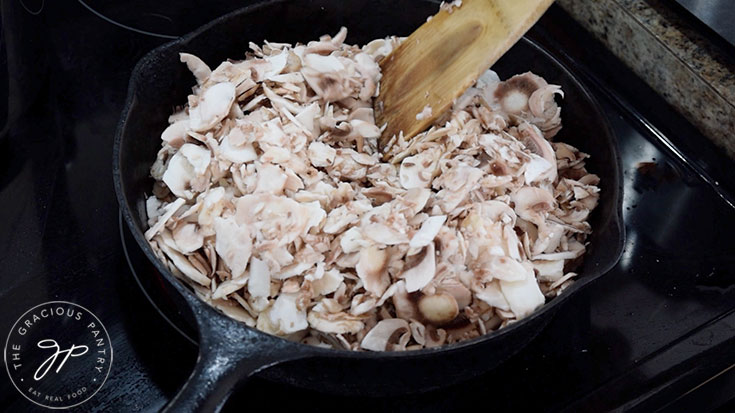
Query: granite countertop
x,y
688,70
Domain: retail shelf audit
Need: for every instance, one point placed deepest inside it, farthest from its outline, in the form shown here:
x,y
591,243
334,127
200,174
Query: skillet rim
x,y
614,225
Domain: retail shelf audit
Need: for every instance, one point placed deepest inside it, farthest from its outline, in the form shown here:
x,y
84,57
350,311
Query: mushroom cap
x,y
438,309
514,93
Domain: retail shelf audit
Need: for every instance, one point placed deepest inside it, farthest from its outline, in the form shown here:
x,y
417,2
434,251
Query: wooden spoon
x,y
444,57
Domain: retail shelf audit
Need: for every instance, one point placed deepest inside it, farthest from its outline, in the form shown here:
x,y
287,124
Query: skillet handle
x,y
228,354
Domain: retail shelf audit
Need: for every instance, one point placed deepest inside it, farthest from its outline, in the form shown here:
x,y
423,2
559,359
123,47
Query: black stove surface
x,y
718,15
657,332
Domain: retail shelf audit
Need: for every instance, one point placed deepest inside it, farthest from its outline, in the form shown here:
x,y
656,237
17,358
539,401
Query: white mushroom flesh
x,y
380,336
274,202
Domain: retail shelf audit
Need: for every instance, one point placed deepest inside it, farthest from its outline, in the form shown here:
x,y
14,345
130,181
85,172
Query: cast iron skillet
x,y
229,351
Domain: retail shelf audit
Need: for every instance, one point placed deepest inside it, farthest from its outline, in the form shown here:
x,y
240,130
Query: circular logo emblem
x,y
58,354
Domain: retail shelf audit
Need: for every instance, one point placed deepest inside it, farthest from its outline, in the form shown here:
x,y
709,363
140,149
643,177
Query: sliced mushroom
x,y
228,287
425,113
233,244
496,211
198,156
505,268
435,337
328,283
198,68
276,63
523,296
380,336
273,202
212,206
175,135
429,229
537,169
456,186
462,295
362,303
418,332
416,199
335,323
533,203
541,101
405,306
187,238
418,171
321,155
384,234
179,175
549,270
169,211
260,278
213,106
183,265
231,309
421,270
271,179
365,129
352,241
242,153
372,270
491,294
378,48
324,74
286,314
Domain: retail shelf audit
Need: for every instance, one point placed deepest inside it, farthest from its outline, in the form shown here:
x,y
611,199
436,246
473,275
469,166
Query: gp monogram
x,y
58,355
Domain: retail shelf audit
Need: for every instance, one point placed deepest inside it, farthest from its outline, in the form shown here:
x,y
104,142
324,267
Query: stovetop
x,y
657,332
717,15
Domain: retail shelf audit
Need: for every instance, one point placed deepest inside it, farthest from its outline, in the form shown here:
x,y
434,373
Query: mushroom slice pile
x,y
273,202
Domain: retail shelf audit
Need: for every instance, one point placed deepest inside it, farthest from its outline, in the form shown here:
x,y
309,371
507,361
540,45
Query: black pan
x,y
229,351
